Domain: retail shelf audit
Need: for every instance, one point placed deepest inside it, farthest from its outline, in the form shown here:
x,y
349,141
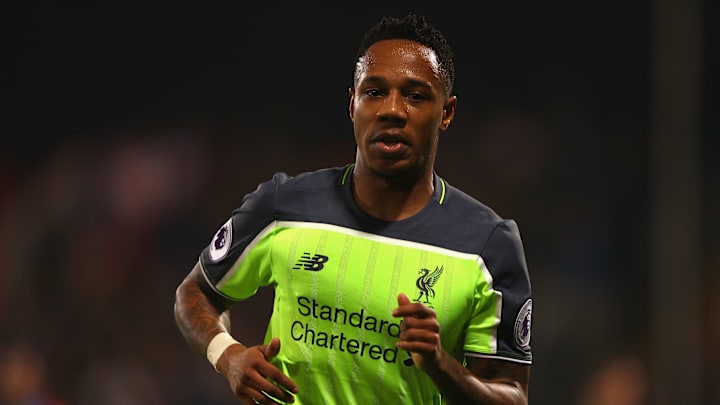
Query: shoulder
x,y
283,182
501,245
317,179
457,202
476,225
301,196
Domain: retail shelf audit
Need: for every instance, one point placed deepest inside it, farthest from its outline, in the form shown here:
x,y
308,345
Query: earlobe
x,y
446,120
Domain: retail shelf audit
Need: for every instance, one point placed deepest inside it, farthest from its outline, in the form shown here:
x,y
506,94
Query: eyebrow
x,y
410,81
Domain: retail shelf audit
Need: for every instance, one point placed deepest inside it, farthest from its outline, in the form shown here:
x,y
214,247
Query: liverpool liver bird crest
x,y
426,282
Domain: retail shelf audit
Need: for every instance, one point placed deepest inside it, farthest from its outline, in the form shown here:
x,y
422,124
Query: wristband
x,y
217,347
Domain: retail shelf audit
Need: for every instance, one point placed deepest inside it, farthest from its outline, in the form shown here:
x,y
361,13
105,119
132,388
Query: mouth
x,y
390,143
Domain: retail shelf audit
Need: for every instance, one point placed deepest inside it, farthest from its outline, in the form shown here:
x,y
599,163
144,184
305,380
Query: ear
x,y
351,107
448,112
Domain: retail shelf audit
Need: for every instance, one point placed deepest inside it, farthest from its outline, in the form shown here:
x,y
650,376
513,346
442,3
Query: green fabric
x,y
335,289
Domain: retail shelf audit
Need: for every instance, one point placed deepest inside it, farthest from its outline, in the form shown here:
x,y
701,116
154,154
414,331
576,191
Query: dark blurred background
x,y
131,131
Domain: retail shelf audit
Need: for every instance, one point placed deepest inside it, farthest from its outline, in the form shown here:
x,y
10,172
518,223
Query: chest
x,y
327,271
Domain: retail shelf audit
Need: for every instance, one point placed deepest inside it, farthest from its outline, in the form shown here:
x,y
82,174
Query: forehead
x,y
399,57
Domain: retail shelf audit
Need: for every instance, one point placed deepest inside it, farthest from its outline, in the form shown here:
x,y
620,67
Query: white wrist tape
x,y
217,347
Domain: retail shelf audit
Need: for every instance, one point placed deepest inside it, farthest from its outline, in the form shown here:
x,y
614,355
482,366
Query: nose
x,y
393,107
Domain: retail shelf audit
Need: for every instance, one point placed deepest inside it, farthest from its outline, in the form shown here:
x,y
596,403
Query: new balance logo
x,y
312,263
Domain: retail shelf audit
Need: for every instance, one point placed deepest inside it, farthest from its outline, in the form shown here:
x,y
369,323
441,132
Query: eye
x,y
373,92
416,96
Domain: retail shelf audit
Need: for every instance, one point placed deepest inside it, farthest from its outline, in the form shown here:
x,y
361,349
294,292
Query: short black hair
x,y
414,28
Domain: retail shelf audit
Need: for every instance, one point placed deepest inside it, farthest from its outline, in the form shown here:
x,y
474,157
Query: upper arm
x,y
197,279
500,370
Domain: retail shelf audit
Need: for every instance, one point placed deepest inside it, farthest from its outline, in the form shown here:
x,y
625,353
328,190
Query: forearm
x,y
197,317
460,386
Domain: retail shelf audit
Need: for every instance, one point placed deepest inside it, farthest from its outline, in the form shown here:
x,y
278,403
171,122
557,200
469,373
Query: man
x,y
391,286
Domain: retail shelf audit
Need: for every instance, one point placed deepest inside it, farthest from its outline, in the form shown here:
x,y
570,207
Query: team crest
x,y
221,241
426,283
523,324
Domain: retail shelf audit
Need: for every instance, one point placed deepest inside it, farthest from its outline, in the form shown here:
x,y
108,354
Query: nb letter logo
x,y
312,263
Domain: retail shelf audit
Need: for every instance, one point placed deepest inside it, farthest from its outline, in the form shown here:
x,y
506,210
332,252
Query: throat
x,y
390,201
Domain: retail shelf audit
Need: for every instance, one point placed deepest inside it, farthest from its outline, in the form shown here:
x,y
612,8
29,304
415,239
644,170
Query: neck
x,y
392,198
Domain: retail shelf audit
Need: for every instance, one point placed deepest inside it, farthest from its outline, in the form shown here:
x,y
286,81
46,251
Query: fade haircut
x,y
414,28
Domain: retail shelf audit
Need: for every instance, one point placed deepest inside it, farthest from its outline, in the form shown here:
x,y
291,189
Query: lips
x,y
391,143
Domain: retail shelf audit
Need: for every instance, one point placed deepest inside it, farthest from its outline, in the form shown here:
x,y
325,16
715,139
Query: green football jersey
x,y
337,273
